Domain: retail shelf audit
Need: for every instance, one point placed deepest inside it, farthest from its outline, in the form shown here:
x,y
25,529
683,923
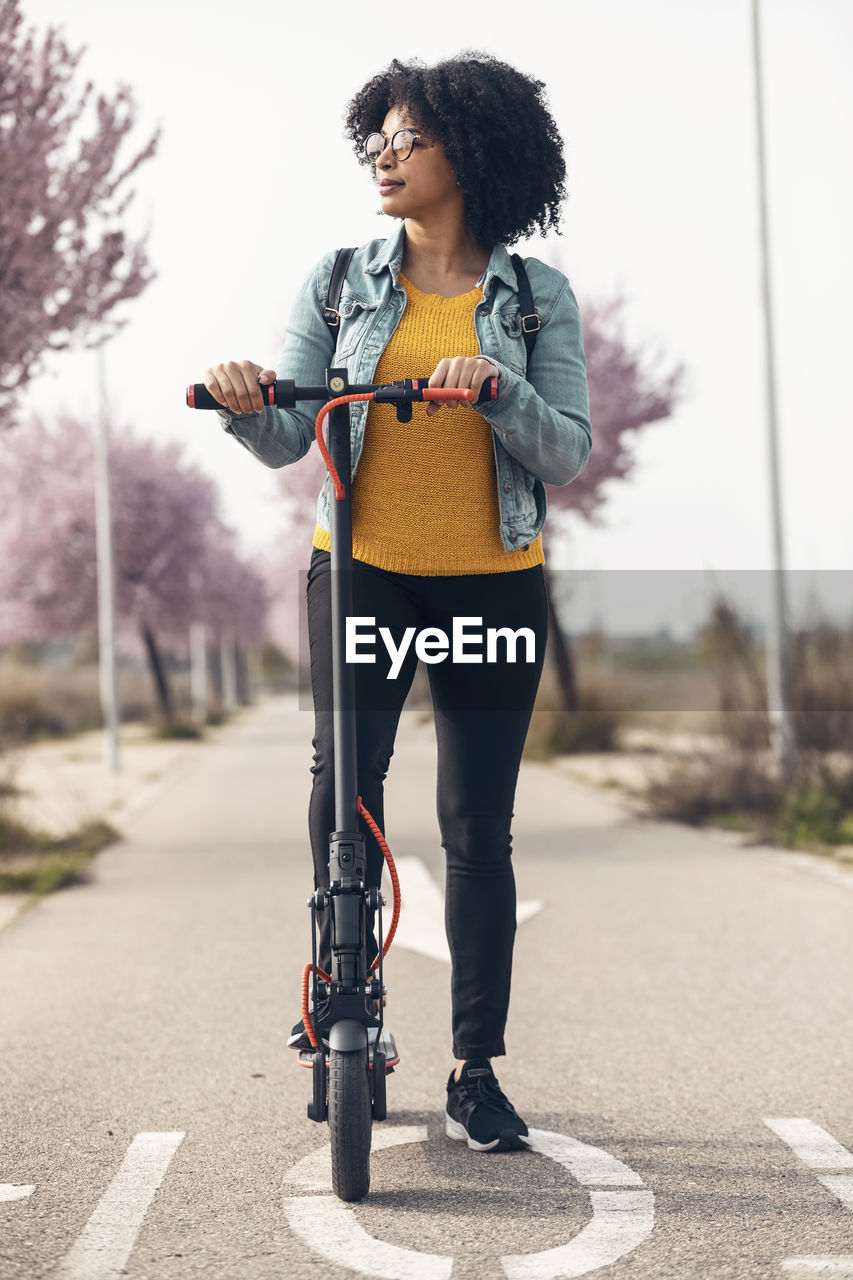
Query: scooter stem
x,y
343,674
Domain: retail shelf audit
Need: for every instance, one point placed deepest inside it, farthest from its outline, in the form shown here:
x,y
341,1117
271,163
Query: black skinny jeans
x,y
482,712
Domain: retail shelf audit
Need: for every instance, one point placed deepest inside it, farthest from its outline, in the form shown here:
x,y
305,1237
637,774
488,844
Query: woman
x,y
447,510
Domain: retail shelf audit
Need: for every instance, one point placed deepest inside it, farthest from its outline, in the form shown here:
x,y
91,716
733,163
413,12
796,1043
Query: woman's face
x,y
424,182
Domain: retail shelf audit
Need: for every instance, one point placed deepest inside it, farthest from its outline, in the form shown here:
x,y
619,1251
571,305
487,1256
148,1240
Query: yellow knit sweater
x,y
424,496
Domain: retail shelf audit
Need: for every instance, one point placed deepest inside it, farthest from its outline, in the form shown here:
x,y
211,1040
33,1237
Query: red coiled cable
x,y
395,916
429,393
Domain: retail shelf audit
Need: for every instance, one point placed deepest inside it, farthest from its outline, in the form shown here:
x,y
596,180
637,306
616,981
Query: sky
x,y
253,181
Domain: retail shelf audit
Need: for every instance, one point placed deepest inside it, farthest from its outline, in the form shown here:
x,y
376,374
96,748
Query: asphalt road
x,y
680,1039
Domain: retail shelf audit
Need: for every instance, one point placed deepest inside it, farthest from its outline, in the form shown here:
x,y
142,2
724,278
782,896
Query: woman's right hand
x,y
235,385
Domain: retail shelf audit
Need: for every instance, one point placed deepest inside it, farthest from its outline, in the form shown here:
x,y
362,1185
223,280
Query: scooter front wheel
x,y
350,1122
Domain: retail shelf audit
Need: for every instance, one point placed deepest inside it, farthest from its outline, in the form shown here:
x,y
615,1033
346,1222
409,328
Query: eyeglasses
x,y
402,144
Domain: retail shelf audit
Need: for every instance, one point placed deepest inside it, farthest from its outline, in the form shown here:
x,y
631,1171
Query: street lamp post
x,y
782,733
106,577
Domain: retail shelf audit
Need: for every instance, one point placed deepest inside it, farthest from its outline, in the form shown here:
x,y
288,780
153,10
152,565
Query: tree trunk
x,y
561,654
198,671
159,675
229,674
241,672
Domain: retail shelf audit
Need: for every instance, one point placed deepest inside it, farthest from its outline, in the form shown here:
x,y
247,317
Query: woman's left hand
x,y
460,371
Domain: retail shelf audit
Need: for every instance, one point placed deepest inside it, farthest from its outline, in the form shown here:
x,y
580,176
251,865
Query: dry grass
x,y
52,700
713,761
33,862
56,700
594,726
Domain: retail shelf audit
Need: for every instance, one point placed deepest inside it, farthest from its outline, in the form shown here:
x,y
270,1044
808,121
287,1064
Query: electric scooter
x,y
349,1076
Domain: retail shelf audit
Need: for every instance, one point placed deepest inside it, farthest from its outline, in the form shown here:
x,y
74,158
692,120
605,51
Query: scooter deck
x,y
305,1057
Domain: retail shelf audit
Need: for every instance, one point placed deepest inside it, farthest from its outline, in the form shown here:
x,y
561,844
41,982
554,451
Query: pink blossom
x,y
65,262
176,562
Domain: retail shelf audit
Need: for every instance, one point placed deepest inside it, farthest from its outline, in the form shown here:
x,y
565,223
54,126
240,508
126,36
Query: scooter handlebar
x,y
283,393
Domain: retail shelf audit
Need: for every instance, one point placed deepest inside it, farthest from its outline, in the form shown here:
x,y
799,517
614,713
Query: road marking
x,y
525,911
421,925
621,1218
588,1165
8,1191
814,1146
105,1243
330,1229
314,1171
839,1267
841,1185
621,1221
819,1150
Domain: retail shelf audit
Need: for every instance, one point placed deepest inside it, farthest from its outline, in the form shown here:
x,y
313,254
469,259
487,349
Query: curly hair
x,y
499,137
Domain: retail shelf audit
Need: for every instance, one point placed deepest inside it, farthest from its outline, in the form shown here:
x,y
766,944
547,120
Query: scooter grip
x,y
488,391
198,396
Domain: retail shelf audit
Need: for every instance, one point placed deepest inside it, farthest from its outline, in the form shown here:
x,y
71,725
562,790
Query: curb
x,y
11,906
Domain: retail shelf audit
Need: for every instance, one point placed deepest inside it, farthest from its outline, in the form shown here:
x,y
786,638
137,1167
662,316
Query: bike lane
x,y
673,997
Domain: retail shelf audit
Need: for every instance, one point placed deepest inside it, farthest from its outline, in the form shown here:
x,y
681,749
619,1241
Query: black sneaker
x,y
298,1038
477,1110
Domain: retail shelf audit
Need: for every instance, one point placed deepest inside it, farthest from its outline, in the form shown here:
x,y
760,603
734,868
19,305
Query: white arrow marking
x,y
620,1221
8,1191
421,924
106,1242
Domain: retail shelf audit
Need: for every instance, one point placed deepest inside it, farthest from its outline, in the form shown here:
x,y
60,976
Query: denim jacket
x,y
540,420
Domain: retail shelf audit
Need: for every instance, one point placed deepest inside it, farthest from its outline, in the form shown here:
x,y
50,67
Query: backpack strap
x,y
530,320
531,323
336,282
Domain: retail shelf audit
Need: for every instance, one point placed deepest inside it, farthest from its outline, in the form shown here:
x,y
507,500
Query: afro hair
x,y
497,132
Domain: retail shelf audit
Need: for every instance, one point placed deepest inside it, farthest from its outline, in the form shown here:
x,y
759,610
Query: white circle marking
x,y
622,1215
